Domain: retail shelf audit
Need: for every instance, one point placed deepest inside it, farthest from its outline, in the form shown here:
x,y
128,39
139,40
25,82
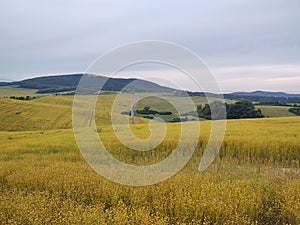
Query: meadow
x,y
275,111
10,90
255,178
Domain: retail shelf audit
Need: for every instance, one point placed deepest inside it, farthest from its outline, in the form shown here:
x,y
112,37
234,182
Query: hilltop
x,y
62,83
267,94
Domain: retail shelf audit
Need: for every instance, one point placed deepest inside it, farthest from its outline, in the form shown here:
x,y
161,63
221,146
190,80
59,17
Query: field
x,y
275,111
255,179
54,112
9,91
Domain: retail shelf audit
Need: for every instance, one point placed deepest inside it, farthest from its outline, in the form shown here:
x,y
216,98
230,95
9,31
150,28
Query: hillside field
x,y
55,112
275,111
16,91
255,178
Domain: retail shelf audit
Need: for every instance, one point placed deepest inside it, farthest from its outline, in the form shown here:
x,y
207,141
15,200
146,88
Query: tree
x,y
206,112
243,109
199,111
240,109
295,110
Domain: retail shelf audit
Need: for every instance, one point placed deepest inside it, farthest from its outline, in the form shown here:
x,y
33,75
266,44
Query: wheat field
x,y
255,179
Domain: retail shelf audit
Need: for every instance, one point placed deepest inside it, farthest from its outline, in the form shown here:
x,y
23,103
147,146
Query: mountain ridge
x,y
69,82
260,93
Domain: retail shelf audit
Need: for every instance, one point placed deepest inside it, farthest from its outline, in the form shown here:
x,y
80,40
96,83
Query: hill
x,y
62,83
55,112
267,94
49,113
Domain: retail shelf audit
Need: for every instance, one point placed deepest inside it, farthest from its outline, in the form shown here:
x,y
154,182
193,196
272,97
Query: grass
x,y
54,112
255,179
275,111
15,91
45,180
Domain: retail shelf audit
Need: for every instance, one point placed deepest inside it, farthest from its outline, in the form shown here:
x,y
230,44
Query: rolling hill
x,y
264,96
267,94
62,83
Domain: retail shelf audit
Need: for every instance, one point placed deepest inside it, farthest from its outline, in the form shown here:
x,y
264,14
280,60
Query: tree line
x,y
26,98
237,110
295,110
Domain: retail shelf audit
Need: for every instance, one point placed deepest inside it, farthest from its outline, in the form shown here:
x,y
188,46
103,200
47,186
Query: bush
x,y
175,120
295,110
148,111
240,109
27,98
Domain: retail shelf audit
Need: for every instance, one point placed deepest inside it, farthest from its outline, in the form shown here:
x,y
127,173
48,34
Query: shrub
x,y
295,110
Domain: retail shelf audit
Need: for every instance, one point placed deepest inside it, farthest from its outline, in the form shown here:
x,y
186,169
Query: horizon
x,y
78,73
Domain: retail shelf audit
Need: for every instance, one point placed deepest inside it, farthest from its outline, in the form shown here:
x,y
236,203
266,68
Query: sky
x,y
249,45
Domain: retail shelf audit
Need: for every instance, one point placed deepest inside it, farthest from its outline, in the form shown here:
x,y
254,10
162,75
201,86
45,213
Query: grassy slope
x,y
10,91
47,113
55,112
275,111
50,112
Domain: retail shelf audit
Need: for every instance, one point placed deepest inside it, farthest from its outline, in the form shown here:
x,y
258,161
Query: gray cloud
x,y
51,36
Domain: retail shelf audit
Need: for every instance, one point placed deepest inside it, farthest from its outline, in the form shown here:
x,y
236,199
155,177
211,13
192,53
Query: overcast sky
x,y
249,44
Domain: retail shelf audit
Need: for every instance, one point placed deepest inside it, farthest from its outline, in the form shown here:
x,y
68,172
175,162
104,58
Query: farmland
x,y
255,178
275,111
55,112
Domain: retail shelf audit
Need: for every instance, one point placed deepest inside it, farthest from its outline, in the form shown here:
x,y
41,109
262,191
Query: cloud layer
x,y
241,41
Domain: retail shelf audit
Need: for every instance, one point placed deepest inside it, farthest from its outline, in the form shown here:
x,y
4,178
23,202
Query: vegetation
x,y
237,110
266,94
54,112
275,111
254,180
27,98
56,90
259,96
295,110
63,83
148,111
263,99
277,103
11,90
44,179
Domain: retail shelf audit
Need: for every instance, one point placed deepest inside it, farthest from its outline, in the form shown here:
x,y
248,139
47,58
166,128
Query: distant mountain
x,y
3,83
267,94
61,83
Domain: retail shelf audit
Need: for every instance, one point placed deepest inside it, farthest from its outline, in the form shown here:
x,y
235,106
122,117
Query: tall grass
x,y
254,180
45,180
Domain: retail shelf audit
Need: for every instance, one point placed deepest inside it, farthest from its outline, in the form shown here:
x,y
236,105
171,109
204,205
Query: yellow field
x,y
47,113
44,179
55,112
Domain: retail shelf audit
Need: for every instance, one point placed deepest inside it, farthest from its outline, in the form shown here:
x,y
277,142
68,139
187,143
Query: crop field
x,y
275,111
44,179
55,112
